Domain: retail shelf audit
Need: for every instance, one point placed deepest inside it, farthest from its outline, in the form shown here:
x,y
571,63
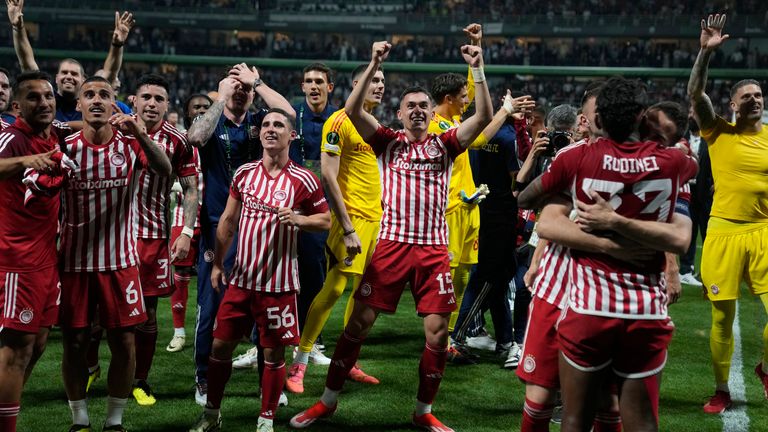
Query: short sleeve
x,y
710,135
315,202
186,162
235,190
561,172
9,146
451,143
333,134
381,138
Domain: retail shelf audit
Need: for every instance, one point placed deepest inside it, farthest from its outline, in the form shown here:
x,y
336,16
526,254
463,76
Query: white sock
x,y
422,408
115,408
301,357
79,410
179,332
266,421
329,398
722,387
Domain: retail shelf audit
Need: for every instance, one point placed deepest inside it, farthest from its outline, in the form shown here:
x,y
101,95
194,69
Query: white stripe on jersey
x,y
414,185
99,205
552,278
5,138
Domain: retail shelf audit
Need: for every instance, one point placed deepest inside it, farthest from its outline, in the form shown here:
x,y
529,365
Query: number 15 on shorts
x,y
446,283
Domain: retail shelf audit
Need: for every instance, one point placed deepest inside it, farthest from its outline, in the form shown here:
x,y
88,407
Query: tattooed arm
x,y
711,38
201,130
190,203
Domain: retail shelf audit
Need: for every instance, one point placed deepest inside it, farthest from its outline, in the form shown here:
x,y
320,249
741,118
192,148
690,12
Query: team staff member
x,y
29,279
734,249
351,180
227,136
270,201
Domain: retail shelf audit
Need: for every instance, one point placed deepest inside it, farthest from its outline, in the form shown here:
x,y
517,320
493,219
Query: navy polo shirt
x,y
305,149
495,160
230,146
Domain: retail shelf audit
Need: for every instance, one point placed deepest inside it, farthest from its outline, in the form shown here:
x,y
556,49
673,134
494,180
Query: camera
x,y
557,140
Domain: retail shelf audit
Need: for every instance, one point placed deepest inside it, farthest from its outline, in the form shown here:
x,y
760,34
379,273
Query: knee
x,y
222,350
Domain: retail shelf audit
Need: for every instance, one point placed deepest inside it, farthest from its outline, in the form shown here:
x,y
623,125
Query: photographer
x,y
561,124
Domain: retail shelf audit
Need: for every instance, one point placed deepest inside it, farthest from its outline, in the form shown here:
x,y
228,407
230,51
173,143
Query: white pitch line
x,y
736,418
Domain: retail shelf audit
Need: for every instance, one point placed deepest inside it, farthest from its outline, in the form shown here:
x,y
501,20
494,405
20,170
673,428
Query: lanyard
x,y
301,134
228,146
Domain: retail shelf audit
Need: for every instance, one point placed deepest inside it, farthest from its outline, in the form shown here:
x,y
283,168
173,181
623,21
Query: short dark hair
x,y
742,83
71,60
29,76
413,89
356,72
446,84
619,105
187,120
6,72
677,113
283,113
153,79
97,78
319,67
591,90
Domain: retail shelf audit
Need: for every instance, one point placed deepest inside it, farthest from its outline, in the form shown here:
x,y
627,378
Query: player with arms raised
x,y
415,169
270,201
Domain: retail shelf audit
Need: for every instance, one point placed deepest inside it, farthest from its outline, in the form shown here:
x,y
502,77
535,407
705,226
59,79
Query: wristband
x,y
478,74
350,232
118,45
187,231
508,106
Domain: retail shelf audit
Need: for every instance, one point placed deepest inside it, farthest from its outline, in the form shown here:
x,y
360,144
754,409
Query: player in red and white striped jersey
x,y
270,201
29,280
617,312
153,231
415,169
98,246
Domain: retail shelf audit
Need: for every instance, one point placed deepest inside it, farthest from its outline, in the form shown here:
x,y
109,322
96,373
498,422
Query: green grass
x,y
477,398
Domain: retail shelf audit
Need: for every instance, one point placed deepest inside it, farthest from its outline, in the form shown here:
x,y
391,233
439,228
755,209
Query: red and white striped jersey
x,y
551,282
641,181
414,185
266,257
155,190
98,230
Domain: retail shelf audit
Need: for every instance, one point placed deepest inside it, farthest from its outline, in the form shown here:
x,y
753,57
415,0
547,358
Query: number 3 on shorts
x,y
446,282
285,319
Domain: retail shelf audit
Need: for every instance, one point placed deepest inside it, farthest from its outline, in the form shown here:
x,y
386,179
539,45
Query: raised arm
x,y
250,77
20,39
672,237
473,126
711,38
157,160
202,129
123,25
364,122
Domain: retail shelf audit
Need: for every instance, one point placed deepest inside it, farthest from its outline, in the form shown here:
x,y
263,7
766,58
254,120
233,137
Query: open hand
x,y
712,32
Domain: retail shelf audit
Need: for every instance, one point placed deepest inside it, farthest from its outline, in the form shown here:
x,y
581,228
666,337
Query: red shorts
x,y
274,315
538,364
393,264
30,300
191,258
154,267
117,294
635,348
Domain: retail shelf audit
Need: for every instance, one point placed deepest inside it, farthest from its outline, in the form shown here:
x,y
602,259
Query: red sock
x,y
344,357
179,299
219,372
607,421
92,356
146,340
536,417
8,413
652,385
431,369
271,386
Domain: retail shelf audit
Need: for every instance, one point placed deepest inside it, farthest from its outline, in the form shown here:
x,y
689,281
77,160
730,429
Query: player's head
x,y
277,131
241,99
536,120
195,105
35,97
747,100
665,123
450,90
587,123
69,77
317,84
415,109
620,106
5,89
375,92
152,99
95,101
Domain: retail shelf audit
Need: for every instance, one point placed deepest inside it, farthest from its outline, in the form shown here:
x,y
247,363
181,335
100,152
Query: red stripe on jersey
x,y
155,190
99,211
266,258
552,278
